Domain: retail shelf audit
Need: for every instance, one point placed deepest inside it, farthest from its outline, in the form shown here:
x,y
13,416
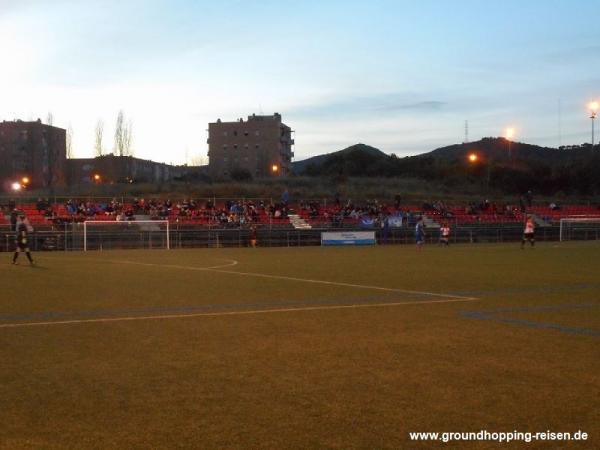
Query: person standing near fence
x,y
384,223
22,240
445,234
420,233
14,217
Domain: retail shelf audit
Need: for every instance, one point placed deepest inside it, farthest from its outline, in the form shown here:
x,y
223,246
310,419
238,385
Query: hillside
x,y
357,152
509,167
499,149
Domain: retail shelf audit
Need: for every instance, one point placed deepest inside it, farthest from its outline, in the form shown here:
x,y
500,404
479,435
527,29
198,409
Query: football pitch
x,y
300,347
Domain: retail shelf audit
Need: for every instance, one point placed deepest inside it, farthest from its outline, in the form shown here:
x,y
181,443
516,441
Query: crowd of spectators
x,y
244,212
82,209
231,213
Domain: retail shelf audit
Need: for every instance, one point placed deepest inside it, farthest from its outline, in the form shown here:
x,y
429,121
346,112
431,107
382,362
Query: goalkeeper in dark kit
x,y
21,239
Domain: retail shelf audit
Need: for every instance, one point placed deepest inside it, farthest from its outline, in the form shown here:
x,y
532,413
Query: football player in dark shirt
x,y
21,240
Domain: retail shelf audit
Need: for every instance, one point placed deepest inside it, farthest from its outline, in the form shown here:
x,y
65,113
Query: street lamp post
x,y
510,132
593,111
473,159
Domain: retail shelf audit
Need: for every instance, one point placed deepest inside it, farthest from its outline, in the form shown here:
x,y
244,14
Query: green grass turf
x,y
322,378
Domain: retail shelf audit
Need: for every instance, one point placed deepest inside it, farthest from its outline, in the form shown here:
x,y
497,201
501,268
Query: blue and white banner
x,y
395,221
348,238
367,222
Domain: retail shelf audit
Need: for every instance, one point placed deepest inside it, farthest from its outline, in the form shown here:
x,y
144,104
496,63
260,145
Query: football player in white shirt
x,y
445,234
529,232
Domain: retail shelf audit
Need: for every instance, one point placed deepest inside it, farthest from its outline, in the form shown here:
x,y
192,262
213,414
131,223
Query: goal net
x,y
579,228
106,235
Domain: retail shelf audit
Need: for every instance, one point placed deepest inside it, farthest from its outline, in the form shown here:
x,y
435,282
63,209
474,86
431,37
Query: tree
x,y
198,160
69,142
119,134
123,135
128,138
98,133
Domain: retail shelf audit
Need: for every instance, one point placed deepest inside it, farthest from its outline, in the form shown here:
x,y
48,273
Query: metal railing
x,y
69,237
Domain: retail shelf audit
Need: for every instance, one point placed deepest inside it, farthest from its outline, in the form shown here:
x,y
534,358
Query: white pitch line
x,y
336,283
231,263
304,280
229,313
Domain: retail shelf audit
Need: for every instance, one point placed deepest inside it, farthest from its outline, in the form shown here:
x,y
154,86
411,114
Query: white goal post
x,y
568,224
125,229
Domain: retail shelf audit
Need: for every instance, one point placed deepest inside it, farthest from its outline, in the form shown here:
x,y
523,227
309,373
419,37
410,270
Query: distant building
x,y
262,146
33,150
37,152
123,169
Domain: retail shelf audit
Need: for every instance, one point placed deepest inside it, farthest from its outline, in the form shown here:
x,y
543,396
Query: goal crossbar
x,y
126,223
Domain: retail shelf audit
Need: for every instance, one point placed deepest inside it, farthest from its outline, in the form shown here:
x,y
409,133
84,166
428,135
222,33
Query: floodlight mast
x,y
593,112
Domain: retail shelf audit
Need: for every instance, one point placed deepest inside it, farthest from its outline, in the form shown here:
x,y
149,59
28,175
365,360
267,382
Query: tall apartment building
x,y
33,150
262,145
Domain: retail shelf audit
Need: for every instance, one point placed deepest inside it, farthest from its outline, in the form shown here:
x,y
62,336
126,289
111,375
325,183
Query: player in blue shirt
x,y
420,233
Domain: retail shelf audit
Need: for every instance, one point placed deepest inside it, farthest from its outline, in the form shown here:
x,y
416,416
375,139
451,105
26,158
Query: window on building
x,y
245,132
225,133
245,145
257,133
235,132
235,146
257,146
224,146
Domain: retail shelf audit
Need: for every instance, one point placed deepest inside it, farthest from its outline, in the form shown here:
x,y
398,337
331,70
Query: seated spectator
x,y
41,205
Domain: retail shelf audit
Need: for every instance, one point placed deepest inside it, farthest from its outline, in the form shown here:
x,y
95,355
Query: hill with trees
x,y
510,167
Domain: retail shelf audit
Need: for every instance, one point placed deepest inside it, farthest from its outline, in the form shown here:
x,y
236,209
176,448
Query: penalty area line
x,y
230,313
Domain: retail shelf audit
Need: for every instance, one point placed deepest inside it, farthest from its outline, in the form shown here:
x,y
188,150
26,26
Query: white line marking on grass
x,y
230,263
229,313
336,283
303,280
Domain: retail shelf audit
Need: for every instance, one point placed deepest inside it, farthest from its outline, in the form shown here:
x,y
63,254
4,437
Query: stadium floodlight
x,y
473,158
509,134
16,186
579,227
113,234
97,178
274,168
25,180
593,111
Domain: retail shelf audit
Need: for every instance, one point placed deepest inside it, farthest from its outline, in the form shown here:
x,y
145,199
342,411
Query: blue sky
x,y
401,76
